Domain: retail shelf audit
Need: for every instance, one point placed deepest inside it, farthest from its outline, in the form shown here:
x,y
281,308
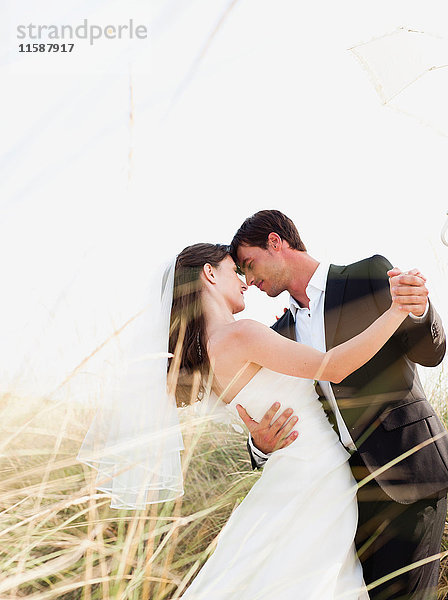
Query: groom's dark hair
x,y
256,229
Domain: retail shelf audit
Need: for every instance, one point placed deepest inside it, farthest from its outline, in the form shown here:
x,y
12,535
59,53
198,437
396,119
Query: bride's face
x,y
230,285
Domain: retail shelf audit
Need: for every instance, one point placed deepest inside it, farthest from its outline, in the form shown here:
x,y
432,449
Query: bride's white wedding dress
x,y
292,536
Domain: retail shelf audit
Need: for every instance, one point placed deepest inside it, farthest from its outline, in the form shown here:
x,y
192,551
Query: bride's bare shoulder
x,y
236,331
238,337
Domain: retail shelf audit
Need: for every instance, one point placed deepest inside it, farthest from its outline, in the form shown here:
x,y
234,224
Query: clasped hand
x,y
408,290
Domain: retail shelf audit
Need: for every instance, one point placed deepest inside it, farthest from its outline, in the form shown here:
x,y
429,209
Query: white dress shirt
x,y
310,330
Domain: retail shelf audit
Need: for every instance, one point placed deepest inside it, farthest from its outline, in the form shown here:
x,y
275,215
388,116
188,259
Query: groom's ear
x,y
274,241
209,273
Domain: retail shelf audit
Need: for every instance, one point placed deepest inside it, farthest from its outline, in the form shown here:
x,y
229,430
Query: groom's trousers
x,y
393,536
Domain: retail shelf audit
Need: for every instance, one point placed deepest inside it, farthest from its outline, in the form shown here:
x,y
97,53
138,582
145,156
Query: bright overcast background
x,y
117,155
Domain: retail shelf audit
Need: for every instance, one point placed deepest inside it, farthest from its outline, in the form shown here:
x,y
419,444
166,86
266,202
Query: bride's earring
x,y
198,342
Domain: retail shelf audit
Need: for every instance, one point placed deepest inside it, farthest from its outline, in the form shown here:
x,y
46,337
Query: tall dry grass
x,y
59,537
61,540
437,393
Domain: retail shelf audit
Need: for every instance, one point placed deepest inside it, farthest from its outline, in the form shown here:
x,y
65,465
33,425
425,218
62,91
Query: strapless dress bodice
x,y
313,426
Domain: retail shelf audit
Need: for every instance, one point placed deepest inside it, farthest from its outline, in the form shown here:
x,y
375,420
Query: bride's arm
x,y
254,342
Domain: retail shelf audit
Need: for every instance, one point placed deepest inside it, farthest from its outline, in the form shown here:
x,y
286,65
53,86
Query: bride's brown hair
x,y
189,369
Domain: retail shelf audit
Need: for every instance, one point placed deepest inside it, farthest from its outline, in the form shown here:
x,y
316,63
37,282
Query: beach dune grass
x,y
61,540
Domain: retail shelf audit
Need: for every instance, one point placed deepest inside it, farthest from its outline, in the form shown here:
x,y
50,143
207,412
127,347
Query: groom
x,y
398,445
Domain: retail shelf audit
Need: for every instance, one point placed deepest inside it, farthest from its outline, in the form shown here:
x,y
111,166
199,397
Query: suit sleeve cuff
x,y
259,456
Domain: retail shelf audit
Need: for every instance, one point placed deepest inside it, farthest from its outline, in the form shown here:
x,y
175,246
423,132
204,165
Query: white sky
x,y
277,113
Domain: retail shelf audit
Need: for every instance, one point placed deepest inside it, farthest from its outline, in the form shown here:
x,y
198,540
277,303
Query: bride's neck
x,y
216,313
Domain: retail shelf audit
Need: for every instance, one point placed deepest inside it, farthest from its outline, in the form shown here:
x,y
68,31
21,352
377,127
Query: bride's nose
x,y
244,286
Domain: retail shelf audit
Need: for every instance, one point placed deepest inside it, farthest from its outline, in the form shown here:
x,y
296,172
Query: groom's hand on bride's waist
x,y
268,435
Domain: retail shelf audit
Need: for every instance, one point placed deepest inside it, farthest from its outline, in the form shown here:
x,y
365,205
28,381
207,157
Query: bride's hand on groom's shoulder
x,y
408,290
268,435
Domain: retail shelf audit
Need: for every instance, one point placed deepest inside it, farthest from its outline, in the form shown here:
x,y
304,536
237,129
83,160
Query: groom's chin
x,y
272,293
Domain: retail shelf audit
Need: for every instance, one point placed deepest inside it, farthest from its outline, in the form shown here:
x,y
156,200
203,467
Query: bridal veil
x,y
134,441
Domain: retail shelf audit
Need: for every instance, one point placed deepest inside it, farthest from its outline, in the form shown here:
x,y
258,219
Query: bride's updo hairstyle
x,y
189,370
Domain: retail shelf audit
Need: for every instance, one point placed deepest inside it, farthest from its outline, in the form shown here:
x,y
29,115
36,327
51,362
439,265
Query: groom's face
x,y
263,268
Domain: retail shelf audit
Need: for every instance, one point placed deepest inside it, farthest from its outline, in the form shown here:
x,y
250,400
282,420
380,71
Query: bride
x,y
292,537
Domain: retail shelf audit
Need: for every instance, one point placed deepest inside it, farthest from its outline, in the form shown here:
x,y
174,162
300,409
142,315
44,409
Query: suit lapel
x,y
286,326
334,295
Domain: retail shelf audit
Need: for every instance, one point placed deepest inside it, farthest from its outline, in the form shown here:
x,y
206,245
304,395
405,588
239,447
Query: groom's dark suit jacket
x,y
383,402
